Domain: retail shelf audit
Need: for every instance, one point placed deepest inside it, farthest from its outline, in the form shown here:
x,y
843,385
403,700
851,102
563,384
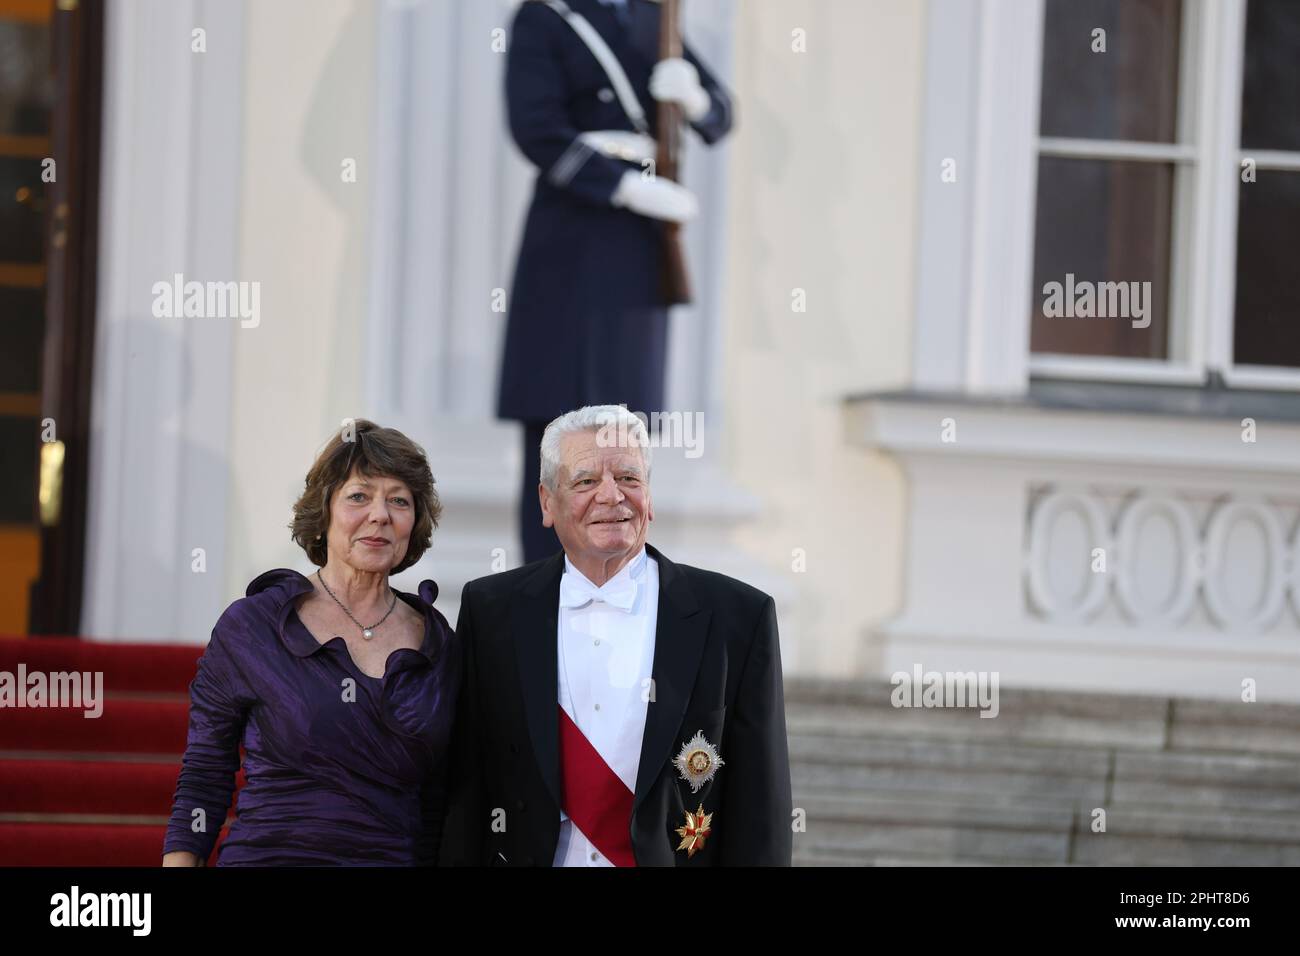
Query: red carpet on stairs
x,y
126,726
161,668
78,791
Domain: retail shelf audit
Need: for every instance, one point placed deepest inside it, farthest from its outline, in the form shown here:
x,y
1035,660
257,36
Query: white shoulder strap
x,y
608,61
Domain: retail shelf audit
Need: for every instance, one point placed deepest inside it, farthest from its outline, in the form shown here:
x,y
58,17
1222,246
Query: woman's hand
x,y
181,858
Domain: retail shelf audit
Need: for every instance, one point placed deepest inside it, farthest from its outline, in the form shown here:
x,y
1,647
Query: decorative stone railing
x,y
1161,556
1093,549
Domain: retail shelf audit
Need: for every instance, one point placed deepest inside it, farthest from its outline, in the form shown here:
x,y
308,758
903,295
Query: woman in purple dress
x,y
340,690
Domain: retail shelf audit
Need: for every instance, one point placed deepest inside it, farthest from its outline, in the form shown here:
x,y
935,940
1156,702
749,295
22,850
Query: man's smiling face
x,y
600,507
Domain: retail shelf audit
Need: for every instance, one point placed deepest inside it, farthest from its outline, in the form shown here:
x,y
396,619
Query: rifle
x,y
674,282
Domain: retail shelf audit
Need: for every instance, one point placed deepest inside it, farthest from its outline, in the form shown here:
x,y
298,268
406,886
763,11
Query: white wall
x,y
307,103
158,491
823,198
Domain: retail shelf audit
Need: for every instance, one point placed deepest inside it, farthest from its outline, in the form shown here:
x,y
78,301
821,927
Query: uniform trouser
x,y
539,542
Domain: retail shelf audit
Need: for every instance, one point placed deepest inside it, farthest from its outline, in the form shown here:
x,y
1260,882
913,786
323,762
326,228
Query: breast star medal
x,y
696,830
698,761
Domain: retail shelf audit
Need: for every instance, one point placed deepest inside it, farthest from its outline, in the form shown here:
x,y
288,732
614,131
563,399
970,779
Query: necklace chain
x,y
366,632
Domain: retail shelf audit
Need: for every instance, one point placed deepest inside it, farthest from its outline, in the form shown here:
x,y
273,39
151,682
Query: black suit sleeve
x,y
755,815
462,830
432,807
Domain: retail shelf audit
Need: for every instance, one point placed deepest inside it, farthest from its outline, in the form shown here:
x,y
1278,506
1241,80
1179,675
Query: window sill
x,y
1177,401
1087,422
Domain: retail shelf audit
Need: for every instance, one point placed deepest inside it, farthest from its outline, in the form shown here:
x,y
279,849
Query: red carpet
x,y
76,791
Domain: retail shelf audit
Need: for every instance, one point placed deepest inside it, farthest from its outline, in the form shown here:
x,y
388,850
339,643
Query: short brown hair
x,y
374,452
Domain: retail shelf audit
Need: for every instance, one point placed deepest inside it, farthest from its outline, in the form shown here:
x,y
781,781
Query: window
x,y
1266,331
1168,198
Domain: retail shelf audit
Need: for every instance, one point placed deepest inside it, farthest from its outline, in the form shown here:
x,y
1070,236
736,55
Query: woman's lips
x,y
375,542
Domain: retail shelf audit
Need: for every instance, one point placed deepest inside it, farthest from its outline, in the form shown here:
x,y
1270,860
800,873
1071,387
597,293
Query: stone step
x,y
1183,782
1237,826
990,789
944,754
873,825
833,707
1208,781
860,829
1073,777
1139,836
833,857
1235,727
840,708
1068,778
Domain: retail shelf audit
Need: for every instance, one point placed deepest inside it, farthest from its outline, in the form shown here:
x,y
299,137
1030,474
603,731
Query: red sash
x,y
596,800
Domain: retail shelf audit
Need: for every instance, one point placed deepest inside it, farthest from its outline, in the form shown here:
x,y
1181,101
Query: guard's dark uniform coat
x,y
586,320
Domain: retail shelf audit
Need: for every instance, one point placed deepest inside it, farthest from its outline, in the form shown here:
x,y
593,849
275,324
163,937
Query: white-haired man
x,y
617,708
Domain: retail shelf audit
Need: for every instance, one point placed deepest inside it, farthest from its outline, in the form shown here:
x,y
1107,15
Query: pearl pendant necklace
x,y
366,632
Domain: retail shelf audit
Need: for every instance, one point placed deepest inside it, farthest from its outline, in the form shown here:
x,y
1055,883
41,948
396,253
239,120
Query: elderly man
x,y
617,709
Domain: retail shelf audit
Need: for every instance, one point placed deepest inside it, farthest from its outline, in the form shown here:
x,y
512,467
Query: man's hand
x,y
655,197
677,81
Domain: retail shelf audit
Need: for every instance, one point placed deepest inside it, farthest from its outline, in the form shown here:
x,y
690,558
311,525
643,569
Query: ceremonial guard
x,y
587,91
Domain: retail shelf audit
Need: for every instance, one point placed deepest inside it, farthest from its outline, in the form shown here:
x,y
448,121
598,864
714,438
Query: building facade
x,y
899,442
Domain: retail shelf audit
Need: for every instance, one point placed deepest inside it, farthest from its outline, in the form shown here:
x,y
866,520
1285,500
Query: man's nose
x,y
609,492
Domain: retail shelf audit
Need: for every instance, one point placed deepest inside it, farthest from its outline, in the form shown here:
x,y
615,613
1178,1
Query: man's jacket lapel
x,y
533,626
681,628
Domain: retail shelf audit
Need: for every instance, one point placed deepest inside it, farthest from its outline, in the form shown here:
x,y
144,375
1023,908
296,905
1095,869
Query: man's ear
x,y
544,496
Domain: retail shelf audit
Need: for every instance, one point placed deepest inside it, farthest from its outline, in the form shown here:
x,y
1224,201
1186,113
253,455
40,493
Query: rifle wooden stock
x,y
674,281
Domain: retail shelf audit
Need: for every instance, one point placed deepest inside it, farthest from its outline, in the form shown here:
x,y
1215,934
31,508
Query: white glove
x,y
655,197
676,81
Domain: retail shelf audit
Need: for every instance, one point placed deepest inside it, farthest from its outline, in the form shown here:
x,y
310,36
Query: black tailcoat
x,y
717,669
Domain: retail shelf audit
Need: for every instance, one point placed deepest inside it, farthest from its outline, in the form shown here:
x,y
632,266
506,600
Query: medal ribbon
x,y
596,800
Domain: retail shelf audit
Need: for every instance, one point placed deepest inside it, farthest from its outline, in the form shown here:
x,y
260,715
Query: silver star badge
x,y
698,761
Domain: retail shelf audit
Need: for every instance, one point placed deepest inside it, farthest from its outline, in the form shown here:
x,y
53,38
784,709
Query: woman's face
x,y
370,522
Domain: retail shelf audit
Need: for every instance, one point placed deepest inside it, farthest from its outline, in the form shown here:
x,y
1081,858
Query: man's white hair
x,y
620,425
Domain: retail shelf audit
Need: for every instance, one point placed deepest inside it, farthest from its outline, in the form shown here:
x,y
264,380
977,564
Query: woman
x,y
340,690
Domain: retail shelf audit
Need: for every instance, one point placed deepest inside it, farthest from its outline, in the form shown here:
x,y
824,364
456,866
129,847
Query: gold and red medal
x,y
698,827
697,763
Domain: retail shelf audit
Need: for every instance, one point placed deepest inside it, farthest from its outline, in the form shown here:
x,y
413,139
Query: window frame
x,y
1244,376
1189,155
1207,159
975,234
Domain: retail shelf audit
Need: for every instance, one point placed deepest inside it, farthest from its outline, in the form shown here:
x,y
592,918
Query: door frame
x,y
72,244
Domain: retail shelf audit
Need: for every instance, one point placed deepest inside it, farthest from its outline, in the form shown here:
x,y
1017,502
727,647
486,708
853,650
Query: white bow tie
x,y
577,592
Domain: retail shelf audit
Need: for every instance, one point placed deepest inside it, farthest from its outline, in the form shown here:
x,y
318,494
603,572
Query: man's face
x,y
601,504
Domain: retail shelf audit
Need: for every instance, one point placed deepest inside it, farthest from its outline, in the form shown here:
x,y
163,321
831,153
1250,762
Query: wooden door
x,y
49,166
